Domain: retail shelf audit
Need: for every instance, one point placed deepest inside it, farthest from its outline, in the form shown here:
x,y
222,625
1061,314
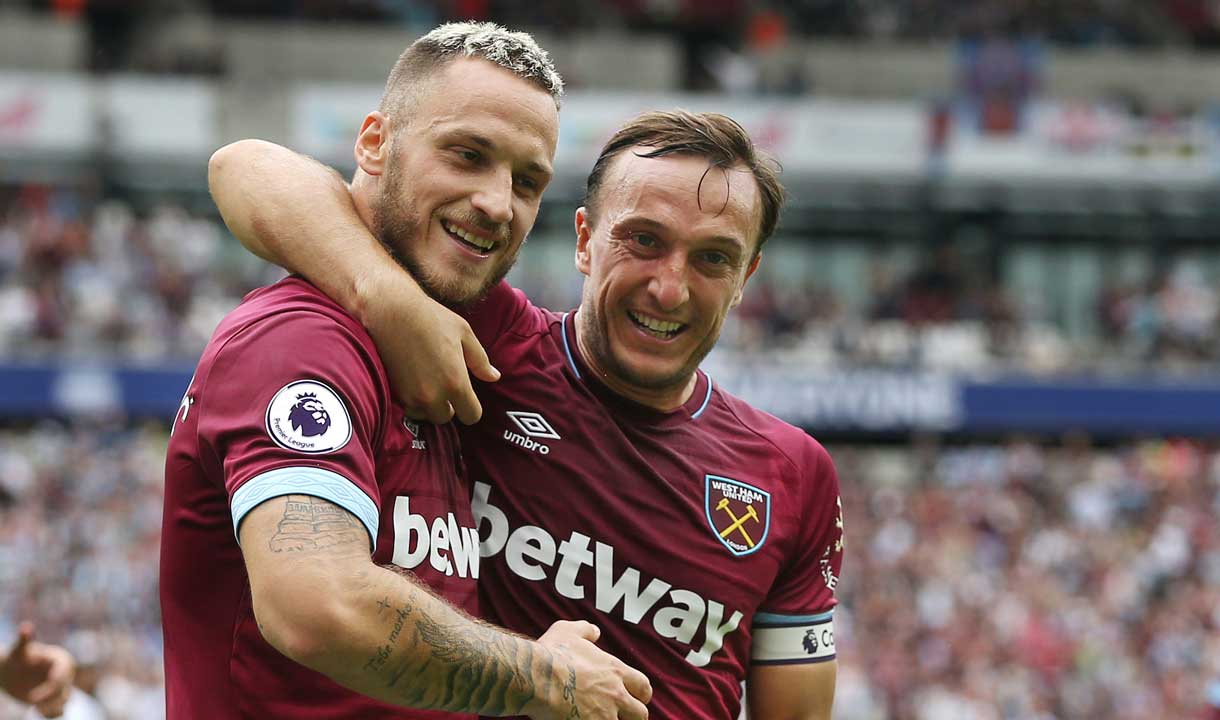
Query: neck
x,y
363,186
666,399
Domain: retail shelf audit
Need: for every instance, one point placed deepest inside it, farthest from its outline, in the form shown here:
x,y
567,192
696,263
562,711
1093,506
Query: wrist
x,y
367,293
551,670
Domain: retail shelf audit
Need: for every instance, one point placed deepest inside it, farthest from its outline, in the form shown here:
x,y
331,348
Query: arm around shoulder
x,y
269,195
298,214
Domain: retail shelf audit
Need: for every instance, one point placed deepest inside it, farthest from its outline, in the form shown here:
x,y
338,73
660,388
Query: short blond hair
x,y
514,51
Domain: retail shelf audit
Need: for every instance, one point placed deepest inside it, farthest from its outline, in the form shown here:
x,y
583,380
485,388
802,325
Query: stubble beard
x,y
596,331
400,230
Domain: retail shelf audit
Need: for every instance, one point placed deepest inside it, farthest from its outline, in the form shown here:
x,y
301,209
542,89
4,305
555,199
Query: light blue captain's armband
x,y
324,484
787,639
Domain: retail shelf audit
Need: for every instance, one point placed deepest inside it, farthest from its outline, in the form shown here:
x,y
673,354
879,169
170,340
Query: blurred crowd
x,y
1023,582
943,316
82,279
89,280
80,527
1012,581
1078,23
721,41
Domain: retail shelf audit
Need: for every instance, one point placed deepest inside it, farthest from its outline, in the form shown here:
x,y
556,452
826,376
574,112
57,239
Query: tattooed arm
x,y
320,600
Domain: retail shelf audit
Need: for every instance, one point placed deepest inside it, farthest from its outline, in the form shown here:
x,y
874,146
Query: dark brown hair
x,y
719,138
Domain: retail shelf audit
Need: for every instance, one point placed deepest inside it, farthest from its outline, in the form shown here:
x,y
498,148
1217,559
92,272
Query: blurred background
x,y
993,296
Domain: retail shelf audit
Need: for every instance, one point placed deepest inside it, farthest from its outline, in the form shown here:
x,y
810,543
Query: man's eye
x,y
716,258
467,154
644,239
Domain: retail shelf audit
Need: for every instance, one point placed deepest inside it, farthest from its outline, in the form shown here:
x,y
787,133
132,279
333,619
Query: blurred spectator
x,y
83,280
37,673
1171,322
1021,581
712,34
86,279
78,553
1011,581
998,75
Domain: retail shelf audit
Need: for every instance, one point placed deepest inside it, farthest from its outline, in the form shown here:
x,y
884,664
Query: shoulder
x,y
292,301
291,326
802,451
507,311
289,312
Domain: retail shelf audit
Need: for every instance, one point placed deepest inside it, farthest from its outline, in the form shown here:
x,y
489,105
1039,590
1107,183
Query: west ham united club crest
x,y
309,417
739,513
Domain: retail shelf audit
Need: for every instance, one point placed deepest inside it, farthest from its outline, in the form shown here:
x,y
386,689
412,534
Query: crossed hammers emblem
x,y
738,522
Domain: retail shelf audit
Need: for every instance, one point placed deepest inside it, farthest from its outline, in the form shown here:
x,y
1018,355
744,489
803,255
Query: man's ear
x,y
584,230
373,143
749,271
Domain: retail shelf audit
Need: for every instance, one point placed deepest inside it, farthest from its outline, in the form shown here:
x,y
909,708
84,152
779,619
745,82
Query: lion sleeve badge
x,y
309,417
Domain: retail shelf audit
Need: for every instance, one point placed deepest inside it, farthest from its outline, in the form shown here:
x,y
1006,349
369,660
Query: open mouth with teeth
x,y
662,329
476,243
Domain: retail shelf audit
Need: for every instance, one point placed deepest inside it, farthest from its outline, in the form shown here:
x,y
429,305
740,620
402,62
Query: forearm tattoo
x,y
460,667
311,523
569,693
430,661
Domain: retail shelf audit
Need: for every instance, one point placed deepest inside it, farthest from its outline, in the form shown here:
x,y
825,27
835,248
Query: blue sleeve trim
x,y
317,482
777,620
802,661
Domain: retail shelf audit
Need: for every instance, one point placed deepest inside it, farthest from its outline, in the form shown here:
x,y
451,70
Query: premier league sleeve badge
x,y
309,417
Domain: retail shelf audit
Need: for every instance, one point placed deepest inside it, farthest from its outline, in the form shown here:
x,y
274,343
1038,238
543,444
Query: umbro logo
x,y
413,428
532,425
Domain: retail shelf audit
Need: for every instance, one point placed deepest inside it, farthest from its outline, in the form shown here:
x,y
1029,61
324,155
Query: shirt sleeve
x,y
795,623
293,405
500,310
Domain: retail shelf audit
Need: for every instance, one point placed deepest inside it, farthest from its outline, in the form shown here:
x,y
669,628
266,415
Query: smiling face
x,y
460,183
666,254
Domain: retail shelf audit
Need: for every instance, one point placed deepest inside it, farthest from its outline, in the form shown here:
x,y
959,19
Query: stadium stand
x,y
994,295
1007,580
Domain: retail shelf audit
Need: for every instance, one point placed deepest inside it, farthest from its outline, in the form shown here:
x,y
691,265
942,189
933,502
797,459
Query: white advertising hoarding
x,y
807,136
46,113
160,118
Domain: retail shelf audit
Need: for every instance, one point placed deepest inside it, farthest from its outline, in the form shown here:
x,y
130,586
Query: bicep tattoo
x,y
311,523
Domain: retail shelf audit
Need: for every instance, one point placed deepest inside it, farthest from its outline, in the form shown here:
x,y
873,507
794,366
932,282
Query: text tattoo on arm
x,y
569,693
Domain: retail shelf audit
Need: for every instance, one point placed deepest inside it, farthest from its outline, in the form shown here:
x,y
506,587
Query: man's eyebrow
x,y
477,139
488,144
650,224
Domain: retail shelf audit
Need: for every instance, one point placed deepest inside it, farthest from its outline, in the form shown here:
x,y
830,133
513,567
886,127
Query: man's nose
x,y
669,285
495,197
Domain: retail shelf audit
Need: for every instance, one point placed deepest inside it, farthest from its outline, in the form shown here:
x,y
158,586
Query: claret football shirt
x,y
701,540
290,398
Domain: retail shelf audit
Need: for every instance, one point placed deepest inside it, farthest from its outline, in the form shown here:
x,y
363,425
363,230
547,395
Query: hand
x,y
427,349
592,684
37,673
